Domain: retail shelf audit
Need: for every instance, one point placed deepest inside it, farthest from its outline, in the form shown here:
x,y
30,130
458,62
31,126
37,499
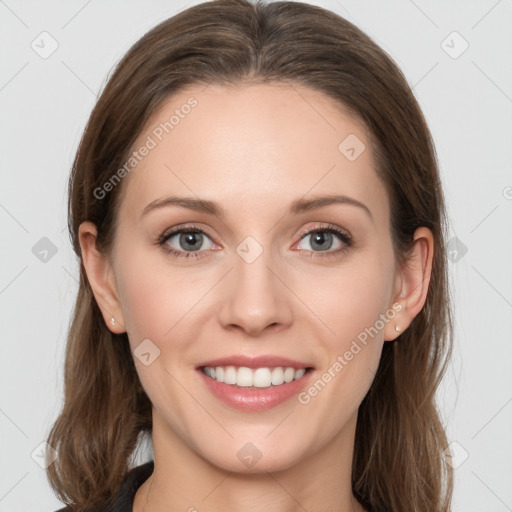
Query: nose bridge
x,y
256,297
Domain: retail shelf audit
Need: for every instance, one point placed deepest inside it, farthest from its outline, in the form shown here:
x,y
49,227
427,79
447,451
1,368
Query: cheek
x,y
151,297
145,306
354,309
350,308
161,301
156,302
353,298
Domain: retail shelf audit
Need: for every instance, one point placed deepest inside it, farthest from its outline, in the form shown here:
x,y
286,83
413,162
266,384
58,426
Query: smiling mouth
x,y
254,378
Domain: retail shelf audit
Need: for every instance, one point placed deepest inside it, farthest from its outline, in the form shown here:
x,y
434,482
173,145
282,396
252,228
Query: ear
x,y
412,283
101,277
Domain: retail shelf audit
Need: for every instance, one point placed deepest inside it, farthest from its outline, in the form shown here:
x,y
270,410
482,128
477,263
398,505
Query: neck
x,y
183,480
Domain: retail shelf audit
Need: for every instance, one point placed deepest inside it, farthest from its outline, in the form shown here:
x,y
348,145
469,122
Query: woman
x,y
257,209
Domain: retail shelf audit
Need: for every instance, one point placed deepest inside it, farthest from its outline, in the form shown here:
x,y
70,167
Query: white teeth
x,y
277,376
244,377
229,375
289,373
261,378
257,377
299,373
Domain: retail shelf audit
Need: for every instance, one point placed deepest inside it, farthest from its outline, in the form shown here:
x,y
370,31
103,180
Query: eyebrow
x,y
213,208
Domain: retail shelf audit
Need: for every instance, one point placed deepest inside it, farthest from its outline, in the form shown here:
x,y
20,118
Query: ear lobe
x,y
415,279
101,277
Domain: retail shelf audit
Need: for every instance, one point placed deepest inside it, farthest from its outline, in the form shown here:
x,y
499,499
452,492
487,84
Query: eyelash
x,y
327,228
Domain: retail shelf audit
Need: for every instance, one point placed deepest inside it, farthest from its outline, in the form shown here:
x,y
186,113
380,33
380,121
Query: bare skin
x,y
254,150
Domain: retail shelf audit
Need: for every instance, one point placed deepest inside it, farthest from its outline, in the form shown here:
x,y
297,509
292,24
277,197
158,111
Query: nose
x,y
255,297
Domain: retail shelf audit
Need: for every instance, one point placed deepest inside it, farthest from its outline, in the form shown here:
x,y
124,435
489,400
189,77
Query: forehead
x,y
251,147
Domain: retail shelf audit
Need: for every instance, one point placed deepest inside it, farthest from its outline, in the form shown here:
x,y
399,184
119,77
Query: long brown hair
x,y
398,456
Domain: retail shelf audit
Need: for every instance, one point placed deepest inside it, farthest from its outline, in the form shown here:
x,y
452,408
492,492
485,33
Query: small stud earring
x,y
397,328
113,321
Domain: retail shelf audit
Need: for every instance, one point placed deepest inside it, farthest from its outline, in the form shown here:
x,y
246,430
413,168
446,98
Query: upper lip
x,y
255,362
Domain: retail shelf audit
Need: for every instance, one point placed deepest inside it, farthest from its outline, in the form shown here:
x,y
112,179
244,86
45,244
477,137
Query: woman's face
x,y
251,285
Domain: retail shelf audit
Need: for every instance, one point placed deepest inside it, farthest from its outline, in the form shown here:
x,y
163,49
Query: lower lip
x,y
255,399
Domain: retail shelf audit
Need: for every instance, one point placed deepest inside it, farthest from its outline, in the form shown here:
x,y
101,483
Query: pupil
x,y
320,239
190,238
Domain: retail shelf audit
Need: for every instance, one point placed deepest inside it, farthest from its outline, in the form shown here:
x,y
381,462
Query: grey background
x,y
45,103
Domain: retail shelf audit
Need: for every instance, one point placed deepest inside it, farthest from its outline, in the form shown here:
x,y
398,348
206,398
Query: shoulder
x,y
133,479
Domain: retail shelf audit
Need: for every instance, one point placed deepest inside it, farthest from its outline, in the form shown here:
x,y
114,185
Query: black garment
x,y
133,479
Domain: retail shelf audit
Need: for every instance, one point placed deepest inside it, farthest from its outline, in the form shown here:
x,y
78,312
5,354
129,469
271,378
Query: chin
x,y
252,457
